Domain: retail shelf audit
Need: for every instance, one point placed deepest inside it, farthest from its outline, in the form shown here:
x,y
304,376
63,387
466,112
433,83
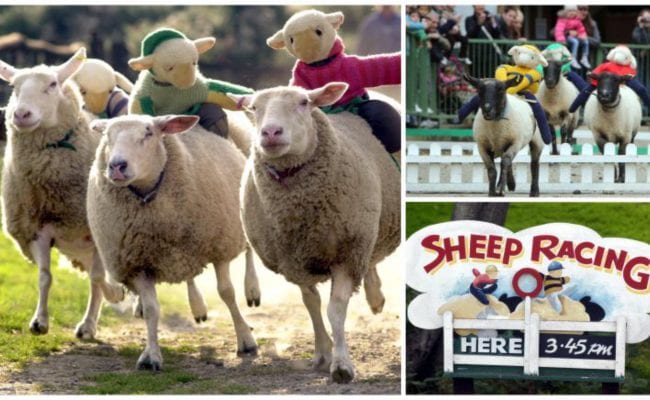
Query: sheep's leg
x,y
621,166
323,344
554,149
40,249
151,357
197,304
137,308
114,293
372,287
341,370
488,160
251,284
246,344
535,152
506,174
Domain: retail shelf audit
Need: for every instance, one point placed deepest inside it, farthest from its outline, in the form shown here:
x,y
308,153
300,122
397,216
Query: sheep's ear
x,y
204,44
276,42
99,125
513,50
171,124
141,63
243,101
65,70
336,19
328,94
123,82
472,81
7,71
542,60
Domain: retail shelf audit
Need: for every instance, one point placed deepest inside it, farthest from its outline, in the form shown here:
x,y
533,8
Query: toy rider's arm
x,y
527,77
218,90
376,70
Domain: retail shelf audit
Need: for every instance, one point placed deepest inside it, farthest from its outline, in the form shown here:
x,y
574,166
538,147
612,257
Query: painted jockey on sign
x,y
484,284
554,283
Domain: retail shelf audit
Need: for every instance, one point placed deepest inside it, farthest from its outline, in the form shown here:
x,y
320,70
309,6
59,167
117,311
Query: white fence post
x,y
448,341
621,336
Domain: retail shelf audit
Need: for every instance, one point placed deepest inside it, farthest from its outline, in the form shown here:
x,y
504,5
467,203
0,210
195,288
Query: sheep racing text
x,y
635,269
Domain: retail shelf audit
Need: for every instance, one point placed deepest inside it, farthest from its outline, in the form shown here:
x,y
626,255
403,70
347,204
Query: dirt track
x,y
281,326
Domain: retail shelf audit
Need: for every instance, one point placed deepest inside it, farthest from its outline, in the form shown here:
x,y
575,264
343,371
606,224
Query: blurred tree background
x,y
113,33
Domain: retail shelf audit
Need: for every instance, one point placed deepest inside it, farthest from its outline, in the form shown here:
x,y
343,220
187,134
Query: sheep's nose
x,y
271,131
118,165
22,114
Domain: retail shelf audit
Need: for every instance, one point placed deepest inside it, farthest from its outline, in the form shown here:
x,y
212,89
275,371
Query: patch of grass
x,y
18,299
212,386
136,382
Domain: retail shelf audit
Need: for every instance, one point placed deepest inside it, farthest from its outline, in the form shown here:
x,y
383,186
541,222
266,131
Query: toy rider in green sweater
x,y
170,82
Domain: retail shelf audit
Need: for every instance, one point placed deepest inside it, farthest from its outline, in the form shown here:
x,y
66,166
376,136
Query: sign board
x,y
554,301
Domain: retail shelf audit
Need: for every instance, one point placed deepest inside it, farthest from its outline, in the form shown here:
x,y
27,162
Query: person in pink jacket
x,y
569,30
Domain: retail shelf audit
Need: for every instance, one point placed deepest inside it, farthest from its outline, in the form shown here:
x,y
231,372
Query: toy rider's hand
x,y
518,76
567,279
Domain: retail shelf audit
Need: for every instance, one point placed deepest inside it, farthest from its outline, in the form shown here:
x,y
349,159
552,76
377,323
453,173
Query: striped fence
x,y
457,168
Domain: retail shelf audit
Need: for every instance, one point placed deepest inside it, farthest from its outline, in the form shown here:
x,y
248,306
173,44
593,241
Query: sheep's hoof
x,y
37,328
147,363
379,307
200,319
85,331
247,351
321,363
114,293
253,302
534,194
342,373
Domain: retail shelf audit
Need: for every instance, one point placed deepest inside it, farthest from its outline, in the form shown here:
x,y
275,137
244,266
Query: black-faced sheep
x,y
47,159
320,201
162,206
503,125
614,114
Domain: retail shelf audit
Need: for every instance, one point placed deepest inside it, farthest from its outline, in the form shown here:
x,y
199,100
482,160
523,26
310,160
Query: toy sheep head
x,y
557,52
492,95
97,80
134,153
283,117
308,35
38,91
621,55
527,56
171,56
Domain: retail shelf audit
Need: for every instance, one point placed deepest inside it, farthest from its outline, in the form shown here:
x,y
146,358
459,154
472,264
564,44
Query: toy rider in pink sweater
x,y
310,36
484,284
570,31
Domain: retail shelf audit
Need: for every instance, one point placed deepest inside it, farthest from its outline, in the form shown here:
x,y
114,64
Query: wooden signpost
x,y
553,302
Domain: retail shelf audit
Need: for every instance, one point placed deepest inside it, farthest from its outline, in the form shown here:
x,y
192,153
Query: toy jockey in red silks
x,y
620,62
484,284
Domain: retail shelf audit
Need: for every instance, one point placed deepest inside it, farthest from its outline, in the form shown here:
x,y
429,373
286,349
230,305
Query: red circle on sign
x,y
538,279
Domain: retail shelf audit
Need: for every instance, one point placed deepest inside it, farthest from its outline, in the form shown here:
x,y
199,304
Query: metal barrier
x,y
427,97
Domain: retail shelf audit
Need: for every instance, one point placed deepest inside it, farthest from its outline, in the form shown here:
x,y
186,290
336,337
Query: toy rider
x,y
526,59
620,62
559,52
554,283
484,284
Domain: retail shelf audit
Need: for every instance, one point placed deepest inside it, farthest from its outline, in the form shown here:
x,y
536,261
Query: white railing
x,y
530,360
456,167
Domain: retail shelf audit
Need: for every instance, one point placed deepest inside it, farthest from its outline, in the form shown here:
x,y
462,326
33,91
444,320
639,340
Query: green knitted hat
x,y
153,39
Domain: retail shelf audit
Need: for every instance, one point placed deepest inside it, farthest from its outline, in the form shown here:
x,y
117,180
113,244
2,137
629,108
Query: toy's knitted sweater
x,y
613,68
529,81
161,98
358,72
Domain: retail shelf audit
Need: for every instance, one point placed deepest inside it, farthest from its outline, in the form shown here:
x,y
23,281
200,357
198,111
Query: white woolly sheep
x,y
47,159
161,206
614,114
555,95
320,201
503,125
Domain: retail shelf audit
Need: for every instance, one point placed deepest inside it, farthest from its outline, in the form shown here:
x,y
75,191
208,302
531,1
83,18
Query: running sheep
x,y
162,206
320,201
47,159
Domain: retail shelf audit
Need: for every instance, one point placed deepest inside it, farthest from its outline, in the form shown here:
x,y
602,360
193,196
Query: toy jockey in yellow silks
x,y
526,59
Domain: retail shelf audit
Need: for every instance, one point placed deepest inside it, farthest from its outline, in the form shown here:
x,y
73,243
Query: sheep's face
x,y
526,56
37,93
308,35
608,88
283,117
96,81
134,153
553,74
175,61
492,95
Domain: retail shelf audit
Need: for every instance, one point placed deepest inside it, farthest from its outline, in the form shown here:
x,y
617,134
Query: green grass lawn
x,y
627,220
